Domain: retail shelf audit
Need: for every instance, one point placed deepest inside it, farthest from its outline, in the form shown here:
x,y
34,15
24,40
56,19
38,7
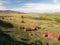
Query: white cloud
x,y
2,2
3,8
39,8
56,1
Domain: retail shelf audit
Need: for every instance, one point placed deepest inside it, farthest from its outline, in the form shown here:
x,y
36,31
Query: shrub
x,y
57,19
22,17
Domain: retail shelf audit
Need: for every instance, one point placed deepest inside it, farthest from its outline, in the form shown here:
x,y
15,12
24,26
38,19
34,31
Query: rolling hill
x,y
47,23
10,11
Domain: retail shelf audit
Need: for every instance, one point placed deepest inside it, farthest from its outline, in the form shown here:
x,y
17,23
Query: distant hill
x,y
10,11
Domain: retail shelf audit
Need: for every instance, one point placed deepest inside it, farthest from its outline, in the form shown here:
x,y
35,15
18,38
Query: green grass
x,y
48,23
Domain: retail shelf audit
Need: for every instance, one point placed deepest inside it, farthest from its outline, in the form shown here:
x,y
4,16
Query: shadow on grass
x,y
7,40
6,24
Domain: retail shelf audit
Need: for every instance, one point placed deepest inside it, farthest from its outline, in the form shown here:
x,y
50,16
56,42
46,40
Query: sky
x,y
31,6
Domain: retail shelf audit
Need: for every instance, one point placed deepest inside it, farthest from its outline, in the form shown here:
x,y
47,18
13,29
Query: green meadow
x,y
10,26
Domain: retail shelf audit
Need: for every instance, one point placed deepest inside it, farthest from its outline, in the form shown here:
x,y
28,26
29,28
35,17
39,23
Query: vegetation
x,y
5,24
46,17
11,34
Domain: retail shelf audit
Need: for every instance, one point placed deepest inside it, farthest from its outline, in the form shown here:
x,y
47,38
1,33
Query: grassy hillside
x,y
47,23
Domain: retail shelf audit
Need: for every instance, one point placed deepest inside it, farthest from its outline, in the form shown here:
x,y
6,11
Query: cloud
x,y
33,7
2,2
3,8
39,8
56,1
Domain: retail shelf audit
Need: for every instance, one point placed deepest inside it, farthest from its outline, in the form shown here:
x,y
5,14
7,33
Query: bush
x,y
57,19
22,17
